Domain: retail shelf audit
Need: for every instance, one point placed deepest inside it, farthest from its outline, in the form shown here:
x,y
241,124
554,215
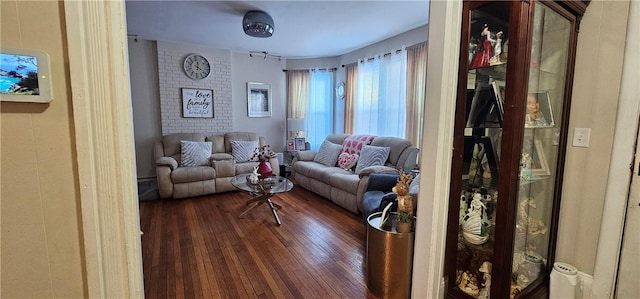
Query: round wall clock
x,y
196,67
340,90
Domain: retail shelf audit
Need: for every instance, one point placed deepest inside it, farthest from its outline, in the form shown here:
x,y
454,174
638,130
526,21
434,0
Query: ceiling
x,y
303,29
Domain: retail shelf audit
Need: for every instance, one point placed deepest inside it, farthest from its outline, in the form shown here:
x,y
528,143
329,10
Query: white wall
x,y
42,244
145,100
260,70
595,100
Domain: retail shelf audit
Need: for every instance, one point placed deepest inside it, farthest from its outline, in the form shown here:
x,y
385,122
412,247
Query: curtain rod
x,y
317,69
386,54
382,55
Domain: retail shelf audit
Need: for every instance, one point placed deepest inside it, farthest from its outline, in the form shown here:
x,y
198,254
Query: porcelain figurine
x,y
254,176
486,290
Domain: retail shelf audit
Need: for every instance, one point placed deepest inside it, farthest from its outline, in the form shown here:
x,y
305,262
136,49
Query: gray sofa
x,y
344,187
177,181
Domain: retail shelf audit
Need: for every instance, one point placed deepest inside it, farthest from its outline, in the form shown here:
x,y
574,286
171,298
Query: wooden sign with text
x,y
197,102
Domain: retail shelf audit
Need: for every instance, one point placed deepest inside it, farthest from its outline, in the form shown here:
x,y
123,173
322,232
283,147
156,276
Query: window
x,y
320,109
380,104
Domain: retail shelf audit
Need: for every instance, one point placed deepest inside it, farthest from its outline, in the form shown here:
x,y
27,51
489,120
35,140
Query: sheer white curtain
x,y
320,111
380,104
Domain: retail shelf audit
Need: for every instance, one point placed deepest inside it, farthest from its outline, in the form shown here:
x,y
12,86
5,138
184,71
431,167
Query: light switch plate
x,y
581,137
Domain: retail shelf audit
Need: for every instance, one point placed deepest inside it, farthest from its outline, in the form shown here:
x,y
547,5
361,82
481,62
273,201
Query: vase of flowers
x,y
262,155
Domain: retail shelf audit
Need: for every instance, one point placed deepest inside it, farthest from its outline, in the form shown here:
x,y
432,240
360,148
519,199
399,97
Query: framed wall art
x,y
197,102
258,99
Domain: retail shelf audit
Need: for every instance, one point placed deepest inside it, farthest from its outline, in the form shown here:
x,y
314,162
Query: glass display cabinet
x,y
512,113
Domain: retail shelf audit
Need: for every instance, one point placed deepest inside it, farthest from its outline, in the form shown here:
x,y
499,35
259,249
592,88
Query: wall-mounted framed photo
x,y
539,110
197,102
300,144
258,99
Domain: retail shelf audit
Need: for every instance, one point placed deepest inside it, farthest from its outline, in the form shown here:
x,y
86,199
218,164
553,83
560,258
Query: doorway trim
x,y
445,23
615,202
103,124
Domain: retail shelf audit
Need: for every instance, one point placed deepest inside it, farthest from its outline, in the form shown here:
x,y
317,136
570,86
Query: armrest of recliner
x,y
275,165
305,156
167,161
220,157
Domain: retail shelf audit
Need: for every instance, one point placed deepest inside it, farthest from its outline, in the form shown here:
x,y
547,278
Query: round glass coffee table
x,y
262,192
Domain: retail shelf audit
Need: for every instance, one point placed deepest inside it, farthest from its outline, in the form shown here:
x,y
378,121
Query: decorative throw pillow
x,y
242,151
353,143
372,155
195,153
347,161
328,153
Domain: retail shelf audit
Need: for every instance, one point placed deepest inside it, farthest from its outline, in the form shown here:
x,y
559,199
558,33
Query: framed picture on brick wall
x,y
197,102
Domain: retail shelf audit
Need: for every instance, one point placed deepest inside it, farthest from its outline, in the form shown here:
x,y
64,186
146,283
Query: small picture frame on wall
x,y
300,144
258,99
197,102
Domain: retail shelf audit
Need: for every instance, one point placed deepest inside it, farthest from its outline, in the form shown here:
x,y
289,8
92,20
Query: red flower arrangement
x,y
263,153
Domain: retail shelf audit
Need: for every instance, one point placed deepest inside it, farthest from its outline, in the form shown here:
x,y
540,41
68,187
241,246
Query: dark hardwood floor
x,y
199,248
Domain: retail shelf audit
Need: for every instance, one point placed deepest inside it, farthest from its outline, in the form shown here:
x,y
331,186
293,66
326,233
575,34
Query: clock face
x,y
196,67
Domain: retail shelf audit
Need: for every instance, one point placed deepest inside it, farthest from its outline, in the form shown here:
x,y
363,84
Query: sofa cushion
x,y
245,167
218,143
242,151
328,153
353,144
192,174
321,172
195,153
344,180
347,161
372,156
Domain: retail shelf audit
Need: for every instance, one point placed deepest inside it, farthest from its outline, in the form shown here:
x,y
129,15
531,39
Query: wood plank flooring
x,y
199,248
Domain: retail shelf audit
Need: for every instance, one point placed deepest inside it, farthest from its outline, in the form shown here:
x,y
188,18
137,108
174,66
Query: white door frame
x,y
103,123
445,23
611,228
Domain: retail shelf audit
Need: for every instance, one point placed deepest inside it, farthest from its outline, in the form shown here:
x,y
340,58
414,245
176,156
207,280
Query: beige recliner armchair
x,y
178,181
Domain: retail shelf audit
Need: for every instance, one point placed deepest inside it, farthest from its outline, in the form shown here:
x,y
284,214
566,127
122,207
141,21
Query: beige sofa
x,y
176,181
344,187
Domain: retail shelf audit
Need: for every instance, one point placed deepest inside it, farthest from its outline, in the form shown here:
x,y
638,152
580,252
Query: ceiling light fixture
x,y
257,24
265,54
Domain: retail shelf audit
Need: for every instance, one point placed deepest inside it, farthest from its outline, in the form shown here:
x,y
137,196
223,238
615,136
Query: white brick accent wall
x,y
172,79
